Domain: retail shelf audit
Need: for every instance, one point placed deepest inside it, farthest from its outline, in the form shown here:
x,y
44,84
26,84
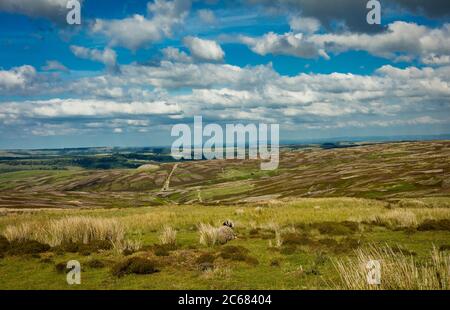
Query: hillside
x,y
381,171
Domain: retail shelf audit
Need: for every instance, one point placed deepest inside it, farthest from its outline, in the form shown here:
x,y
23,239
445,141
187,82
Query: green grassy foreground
x,y
284,244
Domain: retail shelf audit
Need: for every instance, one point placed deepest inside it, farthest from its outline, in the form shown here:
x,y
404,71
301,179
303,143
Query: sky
x,y
133,69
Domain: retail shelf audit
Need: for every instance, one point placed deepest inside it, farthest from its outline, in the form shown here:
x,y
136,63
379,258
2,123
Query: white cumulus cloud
x,y
204,49
106,56
138,30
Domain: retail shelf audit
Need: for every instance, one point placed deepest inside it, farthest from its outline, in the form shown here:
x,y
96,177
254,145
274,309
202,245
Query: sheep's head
x,y
228,223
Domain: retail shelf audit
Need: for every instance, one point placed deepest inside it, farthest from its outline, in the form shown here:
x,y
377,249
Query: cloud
x,y
207,16
54,10
401,41
54,65
438,60
63,108
352,13
292,44
390,97
137,31
174,54
435,8
204,49
17,78
304,24
107,57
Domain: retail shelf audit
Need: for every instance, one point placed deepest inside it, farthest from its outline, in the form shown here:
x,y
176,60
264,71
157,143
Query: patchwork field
x,y
312,224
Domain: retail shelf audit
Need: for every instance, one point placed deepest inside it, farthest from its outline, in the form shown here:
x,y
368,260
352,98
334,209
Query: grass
x,y
209,235
69,230
288,245
398,271
168,236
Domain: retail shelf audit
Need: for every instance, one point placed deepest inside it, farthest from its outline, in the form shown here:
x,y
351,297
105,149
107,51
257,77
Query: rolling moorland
x,y
136,220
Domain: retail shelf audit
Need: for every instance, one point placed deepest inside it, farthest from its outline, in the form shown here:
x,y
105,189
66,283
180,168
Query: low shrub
x,y
237,253
134,265
61,267
295,239
443,224
162,249
234,252
206,258
95,263
84,249
444,247
336,228
27,247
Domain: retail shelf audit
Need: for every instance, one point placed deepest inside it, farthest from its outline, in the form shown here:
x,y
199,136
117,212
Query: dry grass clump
x,y
84,230
398,271
396,218
21,232
412,203
70,230
168,236
208,234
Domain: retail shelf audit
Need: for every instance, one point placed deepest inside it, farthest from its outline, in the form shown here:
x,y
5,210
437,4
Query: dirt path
x,y
166,185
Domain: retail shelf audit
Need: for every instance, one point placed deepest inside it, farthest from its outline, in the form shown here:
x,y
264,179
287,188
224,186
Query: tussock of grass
x,y
70,232
395,218
209,234
398,270
69,229
168,236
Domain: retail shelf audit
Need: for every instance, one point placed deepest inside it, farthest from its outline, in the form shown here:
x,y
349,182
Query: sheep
x,y
210,235
225,232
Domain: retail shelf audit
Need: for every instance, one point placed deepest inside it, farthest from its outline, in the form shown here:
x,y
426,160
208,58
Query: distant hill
x,y
382,171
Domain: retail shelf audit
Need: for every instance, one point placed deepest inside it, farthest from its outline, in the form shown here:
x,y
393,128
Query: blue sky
x,y
133,69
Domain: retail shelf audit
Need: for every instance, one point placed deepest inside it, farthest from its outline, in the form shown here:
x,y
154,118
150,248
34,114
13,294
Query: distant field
x,y
311,224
